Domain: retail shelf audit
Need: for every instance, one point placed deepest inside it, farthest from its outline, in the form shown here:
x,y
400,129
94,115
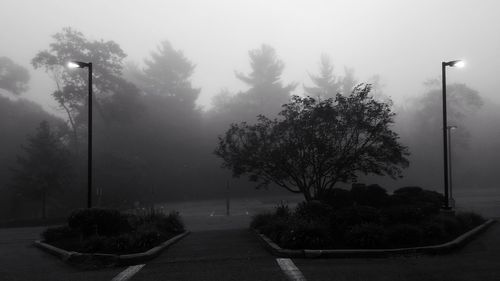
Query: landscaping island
x,y
365,217
107,231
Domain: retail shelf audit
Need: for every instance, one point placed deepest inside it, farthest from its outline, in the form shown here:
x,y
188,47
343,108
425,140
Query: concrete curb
x,y
108,259
368,253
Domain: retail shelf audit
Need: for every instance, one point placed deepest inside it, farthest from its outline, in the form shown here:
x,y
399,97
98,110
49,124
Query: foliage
x,y
114,95
369,195
316,144
45,167
13,77
469,220
358,215
57,233
337,198
428,201
97,221
109,231
313,210
366,236
316,225
168,73
304,233
405,235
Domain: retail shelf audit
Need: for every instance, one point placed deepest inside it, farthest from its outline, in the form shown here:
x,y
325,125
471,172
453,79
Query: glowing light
x,y
73,65
460,64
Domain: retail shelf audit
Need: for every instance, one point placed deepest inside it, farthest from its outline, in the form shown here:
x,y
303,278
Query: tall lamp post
x,y
454,63
79,64
450,128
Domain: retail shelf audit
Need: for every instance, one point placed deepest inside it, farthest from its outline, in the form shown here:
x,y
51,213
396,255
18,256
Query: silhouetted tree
x,y
13,77
316,144
44,168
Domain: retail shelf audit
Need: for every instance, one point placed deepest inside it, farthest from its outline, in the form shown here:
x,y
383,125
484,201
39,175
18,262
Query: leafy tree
x,y
44,169
113,94
13,77
316,144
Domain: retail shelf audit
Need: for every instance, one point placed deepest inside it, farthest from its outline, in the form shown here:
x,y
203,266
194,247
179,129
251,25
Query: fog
x,y
147,148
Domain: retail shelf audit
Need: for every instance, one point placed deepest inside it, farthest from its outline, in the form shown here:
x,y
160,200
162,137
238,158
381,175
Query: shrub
x,y
434,233
428,201
58,233
469,220
337,198
261,220
313,210
366,236
404,214
404,235
276,227
171,223
358,215
282,209
371,195
451,224
96,221
305,234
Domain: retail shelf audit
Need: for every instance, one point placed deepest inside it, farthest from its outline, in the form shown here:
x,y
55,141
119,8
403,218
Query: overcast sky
x,y
402,41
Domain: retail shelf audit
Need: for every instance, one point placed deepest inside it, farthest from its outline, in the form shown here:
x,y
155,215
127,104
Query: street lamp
x,y
79,64
450,128
454,63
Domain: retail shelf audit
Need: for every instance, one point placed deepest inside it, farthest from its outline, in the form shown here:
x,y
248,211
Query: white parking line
x,y
128,273
290,270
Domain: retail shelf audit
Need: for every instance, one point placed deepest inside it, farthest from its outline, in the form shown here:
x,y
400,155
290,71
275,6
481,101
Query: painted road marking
x,y
290,270
128,273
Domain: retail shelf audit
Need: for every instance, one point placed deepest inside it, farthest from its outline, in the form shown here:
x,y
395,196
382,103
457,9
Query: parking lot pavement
x,y
219,255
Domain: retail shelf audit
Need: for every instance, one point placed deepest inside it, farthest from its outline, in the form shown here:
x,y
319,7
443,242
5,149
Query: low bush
x,y
469,220
404,214
58,233
451,224
369,195
434,233
358,215
97,221
90,231
408,218
303,233
404,235
366,236
313,210
261,220
337,198
429,202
